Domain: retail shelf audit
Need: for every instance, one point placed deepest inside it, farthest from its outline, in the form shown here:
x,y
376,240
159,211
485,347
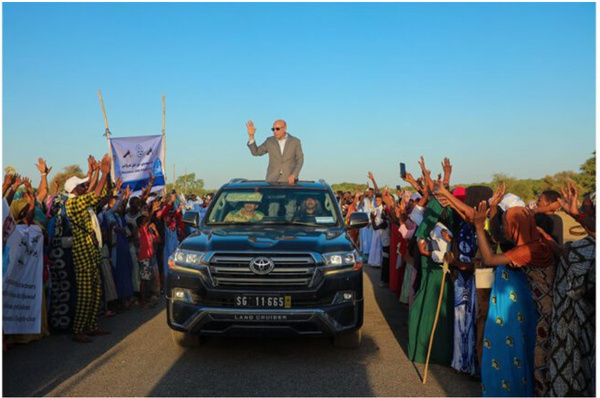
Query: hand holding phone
x,y
402,170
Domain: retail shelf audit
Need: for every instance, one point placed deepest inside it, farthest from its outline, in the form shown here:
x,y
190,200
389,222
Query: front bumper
x,y
207,310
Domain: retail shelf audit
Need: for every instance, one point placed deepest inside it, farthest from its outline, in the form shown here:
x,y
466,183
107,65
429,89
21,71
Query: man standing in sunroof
x,y
285,152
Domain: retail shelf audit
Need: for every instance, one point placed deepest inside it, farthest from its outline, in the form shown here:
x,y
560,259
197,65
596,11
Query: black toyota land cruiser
x,y
268,257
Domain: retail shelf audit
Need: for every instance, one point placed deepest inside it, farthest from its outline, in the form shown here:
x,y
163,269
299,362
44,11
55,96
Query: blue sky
x,y
496,87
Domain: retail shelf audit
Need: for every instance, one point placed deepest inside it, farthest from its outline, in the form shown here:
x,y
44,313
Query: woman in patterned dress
x,y
573,340
507,367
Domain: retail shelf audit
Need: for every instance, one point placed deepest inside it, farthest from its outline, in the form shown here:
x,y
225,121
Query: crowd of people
x,y
517,310
104,249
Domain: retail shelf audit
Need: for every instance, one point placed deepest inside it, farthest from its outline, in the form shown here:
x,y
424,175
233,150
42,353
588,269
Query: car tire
x,y
348,339
186,340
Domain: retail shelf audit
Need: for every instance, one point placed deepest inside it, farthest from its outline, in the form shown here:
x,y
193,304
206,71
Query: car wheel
x,y
183,339
348,339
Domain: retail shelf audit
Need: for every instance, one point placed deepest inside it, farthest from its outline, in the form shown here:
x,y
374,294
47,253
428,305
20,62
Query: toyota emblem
x,y
261,265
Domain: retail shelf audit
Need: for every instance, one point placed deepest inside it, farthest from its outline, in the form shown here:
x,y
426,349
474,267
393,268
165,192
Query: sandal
x,y
81,338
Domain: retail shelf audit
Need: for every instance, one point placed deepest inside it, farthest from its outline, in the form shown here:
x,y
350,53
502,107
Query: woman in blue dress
x,y
510,330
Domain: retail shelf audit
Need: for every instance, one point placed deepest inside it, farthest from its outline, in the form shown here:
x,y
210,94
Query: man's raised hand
x,y
42,167
251,129
105,164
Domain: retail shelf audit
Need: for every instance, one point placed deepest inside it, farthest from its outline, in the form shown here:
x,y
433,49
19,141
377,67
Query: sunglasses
x,y
276,128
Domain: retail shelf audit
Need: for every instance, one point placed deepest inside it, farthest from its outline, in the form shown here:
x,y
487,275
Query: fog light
x,y
343,297
181,295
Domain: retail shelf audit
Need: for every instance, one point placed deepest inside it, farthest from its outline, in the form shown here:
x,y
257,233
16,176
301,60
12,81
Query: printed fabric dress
x,y
422,312
509,337
572,359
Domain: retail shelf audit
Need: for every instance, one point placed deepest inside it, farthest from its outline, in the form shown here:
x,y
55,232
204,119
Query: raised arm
x,y
489,257
42,190
146,191
413,183
105,170
372,178
254,150
447,167
17,182
569,205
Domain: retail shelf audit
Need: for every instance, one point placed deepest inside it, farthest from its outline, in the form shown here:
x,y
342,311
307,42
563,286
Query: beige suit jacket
x,y
281,166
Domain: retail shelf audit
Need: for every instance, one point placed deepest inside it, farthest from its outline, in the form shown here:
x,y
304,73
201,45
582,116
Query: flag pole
x,y
445,270
164,141
107,134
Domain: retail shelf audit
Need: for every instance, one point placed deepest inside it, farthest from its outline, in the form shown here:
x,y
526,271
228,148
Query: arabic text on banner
x,y
135,157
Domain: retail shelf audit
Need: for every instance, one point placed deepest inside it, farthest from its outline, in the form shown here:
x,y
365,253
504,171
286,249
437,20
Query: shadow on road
x,y
24,374
396,315
269,366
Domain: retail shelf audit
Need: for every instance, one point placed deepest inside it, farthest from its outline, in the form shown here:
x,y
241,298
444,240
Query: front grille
x,y
291,271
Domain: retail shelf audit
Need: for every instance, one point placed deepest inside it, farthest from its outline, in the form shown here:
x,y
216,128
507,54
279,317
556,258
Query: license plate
x,y
262,301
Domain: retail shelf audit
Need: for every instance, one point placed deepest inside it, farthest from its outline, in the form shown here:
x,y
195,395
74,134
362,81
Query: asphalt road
x,y
139,359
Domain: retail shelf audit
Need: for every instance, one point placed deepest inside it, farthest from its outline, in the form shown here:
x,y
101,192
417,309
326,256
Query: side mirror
x,y
192,218
358,220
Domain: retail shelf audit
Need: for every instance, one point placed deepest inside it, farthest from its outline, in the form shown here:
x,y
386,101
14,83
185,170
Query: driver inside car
x,y
247,213
309,210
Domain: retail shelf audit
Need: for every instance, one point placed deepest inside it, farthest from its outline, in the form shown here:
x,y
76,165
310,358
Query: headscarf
x,y
532,248
16,210
459,193
511,200
440,246
476,194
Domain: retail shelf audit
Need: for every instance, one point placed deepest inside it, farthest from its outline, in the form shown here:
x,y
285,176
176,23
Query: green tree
x,y
587,177
68,172
188,184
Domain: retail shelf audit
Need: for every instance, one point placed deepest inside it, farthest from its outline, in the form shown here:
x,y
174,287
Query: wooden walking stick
x,y
445,270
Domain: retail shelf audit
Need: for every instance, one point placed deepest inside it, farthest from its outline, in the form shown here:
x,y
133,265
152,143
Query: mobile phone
x,y
402,170
398,188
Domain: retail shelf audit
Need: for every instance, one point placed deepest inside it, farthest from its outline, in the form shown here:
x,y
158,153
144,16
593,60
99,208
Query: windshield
x,y
274,206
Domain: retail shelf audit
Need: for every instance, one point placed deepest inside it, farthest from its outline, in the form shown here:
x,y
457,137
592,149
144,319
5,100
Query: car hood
x,y
268,239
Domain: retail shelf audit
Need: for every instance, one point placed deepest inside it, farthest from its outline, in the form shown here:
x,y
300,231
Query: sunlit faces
x,y
311,203
279,129
250,207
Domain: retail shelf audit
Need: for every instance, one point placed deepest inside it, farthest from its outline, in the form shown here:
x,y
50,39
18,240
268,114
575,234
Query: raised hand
x,y
251,129
8,180
498,195
569,199
443,201
127,192
118,184
27,183
17,181
447,167
408,178
370,176
56,186
152,177
105,164
42,167
480,215
155,206
91,164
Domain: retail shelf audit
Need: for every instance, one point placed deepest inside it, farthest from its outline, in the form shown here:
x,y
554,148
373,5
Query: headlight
x,y
188,258
340,259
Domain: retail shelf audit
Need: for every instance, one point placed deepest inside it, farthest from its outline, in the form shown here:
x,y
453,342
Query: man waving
x,y
285,152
